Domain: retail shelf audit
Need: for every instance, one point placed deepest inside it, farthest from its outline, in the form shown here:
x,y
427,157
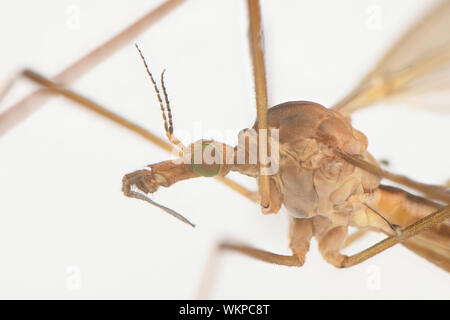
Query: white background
x,y
66,230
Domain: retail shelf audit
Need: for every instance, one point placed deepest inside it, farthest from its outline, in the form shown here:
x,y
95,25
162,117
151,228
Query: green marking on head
x,y
203,169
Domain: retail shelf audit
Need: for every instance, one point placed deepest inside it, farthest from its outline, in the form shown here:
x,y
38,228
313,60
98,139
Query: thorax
x,y
312,179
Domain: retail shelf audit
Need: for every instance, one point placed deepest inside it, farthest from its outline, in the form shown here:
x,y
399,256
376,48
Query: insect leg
x,y
331,243
211,270
266,256
432,191
53,87
404,209
301,232
259,75
22,109
352,238
406,233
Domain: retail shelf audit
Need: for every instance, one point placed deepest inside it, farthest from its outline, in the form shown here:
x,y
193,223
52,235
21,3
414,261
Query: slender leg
x,y
300,237
259,74
331,243
27,105
57,88
19,111
432,191
262,255
406,233
354,237
438,256
210,274
300,234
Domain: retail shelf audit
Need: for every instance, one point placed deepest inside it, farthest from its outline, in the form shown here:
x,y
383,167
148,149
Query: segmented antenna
x,y
168,127
166,97
165,109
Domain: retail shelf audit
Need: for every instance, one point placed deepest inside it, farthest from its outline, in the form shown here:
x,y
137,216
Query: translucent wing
x,y
416,70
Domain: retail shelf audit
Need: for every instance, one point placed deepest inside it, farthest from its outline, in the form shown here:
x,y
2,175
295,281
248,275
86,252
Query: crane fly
x,y
405,83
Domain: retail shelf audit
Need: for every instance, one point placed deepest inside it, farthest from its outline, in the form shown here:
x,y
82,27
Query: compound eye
x,y
204,163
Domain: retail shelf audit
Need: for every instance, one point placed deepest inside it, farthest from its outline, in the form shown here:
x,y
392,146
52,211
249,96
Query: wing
x,y
416,70
434,253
